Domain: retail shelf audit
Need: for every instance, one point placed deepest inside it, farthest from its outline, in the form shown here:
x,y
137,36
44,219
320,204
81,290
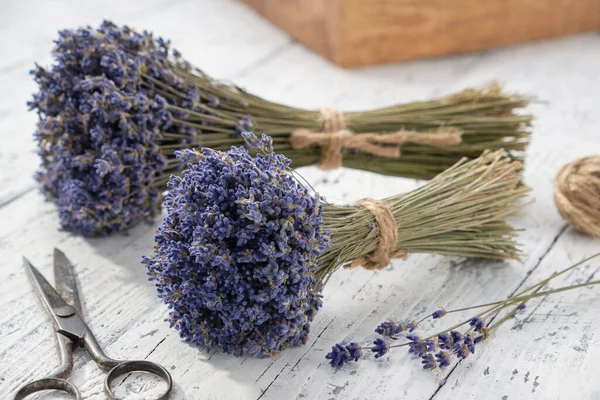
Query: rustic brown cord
x,y
577,194
388,236
334,137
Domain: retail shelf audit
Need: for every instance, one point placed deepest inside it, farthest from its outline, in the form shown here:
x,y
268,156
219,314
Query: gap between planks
x,y
527,275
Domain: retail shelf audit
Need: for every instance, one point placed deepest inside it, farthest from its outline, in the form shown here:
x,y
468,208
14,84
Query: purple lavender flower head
x,y
234,257
428,361
455,336
390,328
477,323
341,355
355,351
443,359
469,342
100,127
412,326
380,347
445,341
416,346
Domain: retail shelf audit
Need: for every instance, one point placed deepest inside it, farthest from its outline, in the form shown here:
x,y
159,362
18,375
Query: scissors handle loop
x,y
118,368
126,367
47,384
121,369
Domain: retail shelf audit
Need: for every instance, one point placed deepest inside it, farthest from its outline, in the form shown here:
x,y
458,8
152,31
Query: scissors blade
x,y
66,285
53,303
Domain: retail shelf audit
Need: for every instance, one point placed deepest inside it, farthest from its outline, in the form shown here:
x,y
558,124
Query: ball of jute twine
x,y
577,194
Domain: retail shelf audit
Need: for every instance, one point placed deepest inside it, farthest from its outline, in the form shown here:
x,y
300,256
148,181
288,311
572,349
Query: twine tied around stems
x,y
335,137
388,236
577,194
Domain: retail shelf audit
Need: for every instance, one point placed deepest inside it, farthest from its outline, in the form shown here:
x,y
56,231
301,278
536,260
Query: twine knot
x,y
577,194
334,138
388,237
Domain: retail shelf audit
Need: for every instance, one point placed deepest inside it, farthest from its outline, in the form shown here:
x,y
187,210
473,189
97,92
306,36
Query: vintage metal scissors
x,y
64,307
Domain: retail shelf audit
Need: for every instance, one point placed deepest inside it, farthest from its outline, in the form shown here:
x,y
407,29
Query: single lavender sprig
x,y
246,249
437,350
116,105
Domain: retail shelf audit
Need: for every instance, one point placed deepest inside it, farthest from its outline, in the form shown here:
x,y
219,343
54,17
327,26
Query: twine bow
x,y
335,137
388,236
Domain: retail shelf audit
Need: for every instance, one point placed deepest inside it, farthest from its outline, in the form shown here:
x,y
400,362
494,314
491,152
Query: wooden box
x,y
354,33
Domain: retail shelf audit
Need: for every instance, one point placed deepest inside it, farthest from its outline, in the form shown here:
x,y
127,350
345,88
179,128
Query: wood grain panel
x,y
358,32
314,23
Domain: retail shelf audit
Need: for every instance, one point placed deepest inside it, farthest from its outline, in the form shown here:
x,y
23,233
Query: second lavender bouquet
x,y
116,104
245,249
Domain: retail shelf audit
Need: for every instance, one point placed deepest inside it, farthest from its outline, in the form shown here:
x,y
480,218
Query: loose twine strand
x,y
577,194
388,236
335,137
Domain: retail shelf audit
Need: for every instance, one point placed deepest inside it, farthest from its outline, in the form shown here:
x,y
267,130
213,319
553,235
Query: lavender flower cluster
x,y
234,257
100,124
435,351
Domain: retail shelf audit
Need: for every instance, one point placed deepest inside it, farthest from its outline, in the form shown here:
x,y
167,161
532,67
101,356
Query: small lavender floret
x,y
463,345
522,306
412,326
355,351
416,346
477,322
234,257
339,356
461,350
468,340
439,313
443,359
413,338
389,329
445,341
431,344
380,347
455,336
428,361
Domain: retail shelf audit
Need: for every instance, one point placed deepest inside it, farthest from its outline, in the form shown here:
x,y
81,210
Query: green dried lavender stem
x,y
519,299
460,212
540,284
488,118
546,293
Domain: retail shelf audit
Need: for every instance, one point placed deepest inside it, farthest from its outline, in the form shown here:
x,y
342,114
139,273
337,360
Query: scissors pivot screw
x,y
65,311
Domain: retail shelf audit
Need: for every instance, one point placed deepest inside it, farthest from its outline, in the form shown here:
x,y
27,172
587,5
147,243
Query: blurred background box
x,y
354,33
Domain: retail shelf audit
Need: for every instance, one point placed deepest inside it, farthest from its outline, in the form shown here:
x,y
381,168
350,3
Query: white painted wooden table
x,y
551,351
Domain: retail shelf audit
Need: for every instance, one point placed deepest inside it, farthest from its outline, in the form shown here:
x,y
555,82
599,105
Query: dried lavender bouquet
x,y
117,104
245,249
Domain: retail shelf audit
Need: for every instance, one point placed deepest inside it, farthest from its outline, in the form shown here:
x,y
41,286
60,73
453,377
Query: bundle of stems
x,y
460,212
486,118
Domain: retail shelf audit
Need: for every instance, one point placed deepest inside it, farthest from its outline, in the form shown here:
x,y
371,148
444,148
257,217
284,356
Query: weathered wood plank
x,y
121,307
547,351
